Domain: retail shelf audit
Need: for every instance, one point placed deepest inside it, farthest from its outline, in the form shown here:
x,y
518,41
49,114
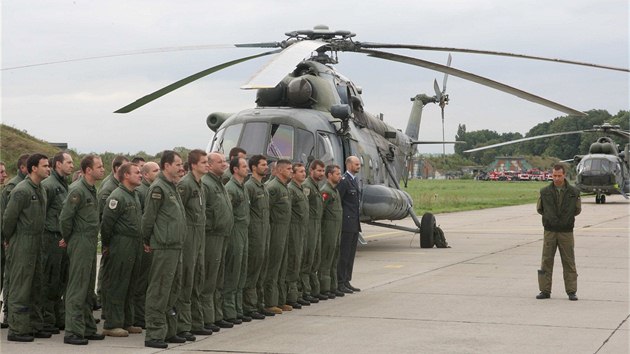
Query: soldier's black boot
x,y
543,295
573,297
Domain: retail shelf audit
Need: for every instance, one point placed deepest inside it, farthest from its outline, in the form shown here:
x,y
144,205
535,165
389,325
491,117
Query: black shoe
x,y
4,324
224,324
20,337
155,343
543,295
322,297
212,327
304,302
339,293
344,289
96,307
295,305
61,327
256,315
245,318
42,334
202,332
349,286
311,299
266,313
175,339
331,295
95,336
573,297
51,330
187,336
75,340
235,321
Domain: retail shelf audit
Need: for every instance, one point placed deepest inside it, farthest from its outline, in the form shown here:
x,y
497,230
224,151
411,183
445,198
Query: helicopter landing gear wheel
x,y
427,225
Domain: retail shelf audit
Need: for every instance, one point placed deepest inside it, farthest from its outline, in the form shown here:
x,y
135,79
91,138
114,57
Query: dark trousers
x,y
347,250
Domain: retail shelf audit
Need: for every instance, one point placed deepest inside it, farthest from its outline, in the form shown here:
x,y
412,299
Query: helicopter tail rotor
x,y
442,99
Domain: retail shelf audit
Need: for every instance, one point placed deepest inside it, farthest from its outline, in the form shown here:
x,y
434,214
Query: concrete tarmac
x,y
476,297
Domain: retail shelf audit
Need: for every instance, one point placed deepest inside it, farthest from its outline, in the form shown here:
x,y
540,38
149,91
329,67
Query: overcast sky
x,y
73,102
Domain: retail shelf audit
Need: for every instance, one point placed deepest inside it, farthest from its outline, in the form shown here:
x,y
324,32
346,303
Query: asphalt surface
x,y
476,297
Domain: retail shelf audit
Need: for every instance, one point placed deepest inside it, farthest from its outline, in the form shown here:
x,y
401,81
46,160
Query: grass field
x,y
445,196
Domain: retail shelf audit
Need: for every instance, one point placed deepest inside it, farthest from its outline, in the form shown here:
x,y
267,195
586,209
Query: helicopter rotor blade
x,y
474,78
259,45
436,88
487,52
523,139
617,132
435,142
448,63
276,69
174,86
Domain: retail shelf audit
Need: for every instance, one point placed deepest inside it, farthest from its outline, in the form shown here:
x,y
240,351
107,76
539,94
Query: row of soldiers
x,y
183,253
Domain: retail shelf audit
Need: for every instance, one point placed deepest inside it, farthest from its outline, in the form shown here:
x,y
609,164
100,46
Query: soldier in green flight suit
x,y
297,236
219,222
54,258
150,171
163,231
4,273
79,226
22,227
236,255
190,312
122,243
331,228
313,241
257,239
279,220
234,152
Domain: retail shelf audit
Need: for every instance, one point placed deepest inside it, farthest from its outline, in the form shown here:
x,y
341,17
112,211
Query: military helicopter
x,y
310,111
604,170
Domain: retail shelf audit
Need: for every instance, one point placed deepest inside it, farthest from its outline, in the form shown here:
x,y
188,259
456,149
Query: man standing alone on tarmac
x,y
350,193
559,204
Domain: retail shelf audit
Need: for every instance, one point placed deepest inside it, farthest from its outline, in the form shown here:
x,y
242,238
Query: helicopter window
x,y
229,139
304,145
281,141
254,137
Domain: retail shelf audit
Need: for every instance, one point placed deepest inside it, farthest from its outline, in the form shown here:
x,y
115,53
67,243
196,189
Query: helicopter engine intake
x,y
380,202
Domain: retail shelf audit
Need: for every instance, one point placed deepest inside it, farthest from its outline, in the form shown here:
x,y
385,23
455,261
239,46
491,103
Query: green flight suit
x,y
236,255
332,218
298,230
163,228
79,226
22,227
313,241
189,308
279,221
140,290
107,187
120,233
219,222
558,207
54,258
4,273
257,245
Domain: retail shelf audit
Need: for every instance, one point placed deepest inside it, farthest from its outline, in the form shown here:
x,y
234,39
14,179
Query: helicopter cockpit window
x,y
229,139
304,145
216,141
254,137
281,141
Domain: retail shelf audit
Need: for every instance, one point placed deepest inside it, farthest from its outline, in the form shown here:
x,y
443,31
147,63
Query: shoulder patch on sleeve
x,y
75,198
113,203
157,193
325,196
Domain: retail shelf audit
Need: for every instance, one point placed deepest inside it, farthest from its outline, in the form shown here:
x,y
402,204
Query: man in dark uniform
x,y
559,203
257,240
331,231
122,243
350,193
54,258
163,230
4,199
22,227
79,226
313,240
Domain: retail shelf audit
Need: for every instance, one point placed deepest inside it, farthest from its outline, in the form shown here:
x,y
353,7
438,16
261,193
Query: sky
x,y
74,102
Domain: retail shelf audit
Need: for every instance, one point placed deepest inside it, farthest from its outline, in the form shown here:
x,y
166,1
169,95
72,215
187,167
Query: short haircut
x,y
560,166
59,157
125,168
297,165
255,160
350,158
137,159
331,169
33,161
88,162
234,163
317,163
168,157
283,162
118,161
22,160
195,155
235,151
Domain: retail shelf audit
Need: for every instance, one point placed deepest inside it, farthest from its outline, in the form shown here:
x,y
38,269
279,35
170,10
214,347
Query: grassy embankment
x,y
446,196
